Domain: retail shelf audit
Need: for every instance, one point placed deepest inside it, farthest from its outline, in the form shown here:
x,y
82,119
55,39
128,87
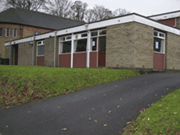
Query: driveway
x,y
85,112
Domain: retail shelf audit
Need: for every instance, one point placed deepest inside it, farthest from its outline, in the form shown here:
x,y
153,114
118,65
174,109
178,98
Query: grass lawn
x,y
163,118
24,84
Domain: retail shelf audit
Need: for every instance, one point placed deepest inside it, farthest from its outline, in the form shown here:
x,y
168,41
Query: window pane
x,y
66,47
102,32
155,33
15,33
161,35
1,31
68,38
62,39
7,32
83,35
94,33
81,45
94,44
157,45
102,44
41,50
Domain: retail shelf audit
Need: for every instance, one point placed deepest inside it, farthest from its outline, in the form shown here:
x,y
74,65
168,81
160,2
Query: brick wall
x,y
25,54
4,51
24,32
29,30
173,51
178,22
129,45
143,46
49,52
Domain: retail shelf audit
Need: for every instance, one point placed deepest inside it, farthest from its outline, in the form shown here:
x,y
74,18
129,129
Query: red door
x,y
16,55
159,57
102,52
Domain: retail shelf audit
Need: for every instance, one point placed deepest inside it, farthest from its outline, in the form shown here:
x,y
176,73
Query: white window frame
x,y
61,43
15,30
2,32
163,39
79,37
6,32
39,43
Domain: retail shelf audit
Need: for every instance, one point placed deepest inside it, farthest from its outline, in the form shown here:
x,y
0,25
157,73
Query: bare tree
x,y
2,2
78,10
59,7
25,4
89,16
98,13
120,12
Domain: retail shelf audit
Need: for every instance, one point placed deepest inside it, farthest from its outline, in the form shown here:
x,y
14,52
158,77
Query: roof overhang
x,y
165,16
100,24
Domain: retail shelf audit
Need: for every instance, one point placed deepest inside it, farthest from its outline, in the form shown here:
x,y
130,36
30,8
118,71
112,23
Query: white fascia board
x,y
157,25
71,30
97,25
166,16
18,41
110,22
46,35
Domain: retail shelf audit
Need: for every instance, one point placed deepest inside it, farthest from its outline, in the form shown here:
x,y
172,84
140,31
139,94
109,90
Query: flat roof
x,y
164,16
100,24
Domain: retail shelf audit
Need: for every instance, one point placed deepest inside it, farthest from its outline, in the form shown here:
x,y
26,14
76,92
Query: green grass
x,y
162,118
24,84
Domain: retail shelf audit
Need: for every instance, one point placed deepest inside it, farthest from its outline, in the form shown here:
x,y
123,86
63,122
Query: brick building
x,y
20,23
130,41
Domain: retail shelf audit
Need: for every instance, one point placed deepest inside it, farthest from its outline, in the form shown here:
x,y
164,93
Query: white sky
x,y
142,7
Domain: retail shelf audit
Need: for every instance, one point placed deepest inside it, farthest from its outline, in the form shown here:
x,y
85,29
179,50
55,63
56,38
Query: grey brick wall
x,y
49,52
129,45
173,51
25,54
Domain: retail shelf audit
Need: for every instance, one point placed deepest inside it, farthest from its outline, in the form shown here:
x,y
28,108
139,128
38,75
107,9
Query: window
x,y
157,45
80,45
102,32
94,44
35,32
40,48
84,35
7,34
155,33
68,38
65,47
1,32
94,33
14,32
40,32
159,42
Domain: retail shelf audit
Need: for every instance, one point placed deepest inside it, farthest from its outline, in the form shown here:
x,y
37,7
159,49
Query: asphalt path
x,y
101,110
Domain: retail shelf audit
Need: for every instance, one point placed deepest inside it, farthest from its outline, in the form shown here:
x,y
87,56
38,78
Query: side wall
x,y
143,46
29,30
22,31
120,46
25,54
129,45
49,52
178,22
4,51
173,52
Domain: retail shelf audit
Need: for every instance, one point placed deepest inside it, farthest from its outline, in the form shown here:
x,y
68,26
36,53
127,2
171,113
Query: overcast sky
x,y
143,7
